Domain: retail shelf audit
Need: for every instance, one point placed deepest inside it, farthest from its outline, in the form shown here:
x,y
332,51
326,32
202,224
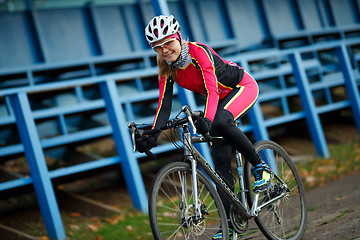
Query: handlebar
x,y
140,132
136,132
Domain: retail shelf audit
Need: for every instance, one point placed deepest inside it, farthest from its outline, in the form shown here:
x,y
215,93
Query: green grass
x,y
344,160
129,225
343,213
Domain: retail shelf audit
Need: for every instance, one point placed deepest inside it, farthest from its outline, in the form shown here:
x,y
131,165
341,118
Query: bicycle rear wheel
x,y
286,217
171,205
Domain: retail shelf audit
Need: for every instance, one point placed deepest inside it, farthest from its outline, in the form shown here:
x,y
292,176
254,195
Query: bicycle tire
x,y
164,205
286,218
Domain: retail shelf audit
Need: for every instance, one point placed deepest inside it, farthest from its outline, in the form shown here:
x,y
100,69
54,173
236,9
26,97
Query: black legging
x,y
224,125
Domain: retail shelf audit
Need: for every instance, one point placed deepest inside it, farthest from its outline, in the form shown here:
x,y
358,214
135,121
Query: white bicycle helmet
x,y
161,27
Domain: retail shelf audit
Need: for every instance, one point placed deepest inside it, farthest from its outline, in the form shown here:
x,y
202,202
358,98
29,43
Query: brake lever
x,y
189,113
132,129
187,110
192,124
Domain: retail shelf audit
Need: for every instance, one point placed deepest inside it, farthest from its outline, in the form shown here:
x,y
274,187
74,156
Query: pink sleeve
x,y
207,68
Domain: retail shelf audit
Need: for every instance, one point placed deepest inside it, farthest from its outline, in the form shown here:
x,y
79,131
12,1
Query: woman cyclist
x,y
229,92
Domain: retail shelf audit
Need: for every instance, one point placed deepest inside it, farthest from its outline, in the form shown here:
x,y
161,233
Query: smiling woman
x,y
229,93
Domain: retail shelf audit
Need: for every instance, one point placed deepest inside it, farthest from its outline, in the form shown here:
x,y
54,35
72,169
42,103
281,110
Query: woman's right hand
x,y
145,143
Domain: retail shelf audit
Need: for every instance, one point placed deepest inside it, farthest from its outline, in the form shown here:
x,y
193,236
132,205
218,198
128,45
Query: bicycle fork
x,y
188,155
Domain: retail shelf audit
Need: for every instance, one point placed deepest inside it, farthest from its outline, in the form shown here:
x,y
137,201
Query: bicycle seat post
x,y
240,172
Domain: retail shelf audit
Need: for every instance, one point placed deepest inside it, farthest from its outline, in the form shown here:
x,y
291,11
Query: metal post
x,y
307,100
261,133
160,7
350,83
121,135
37,165
258,123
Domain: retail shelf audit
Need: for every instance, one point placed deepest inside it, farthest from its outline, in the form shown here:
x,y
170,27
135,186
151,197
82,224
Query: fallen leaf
x,y
74,227
75,214
340,198
325,169
96,221
112,221
168,214
93,227
117,207
311,180
174,199
129,228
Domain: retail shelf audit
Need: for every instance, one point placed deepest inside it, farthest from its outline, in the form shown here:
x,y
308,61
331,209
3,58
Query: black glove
x,y
203,125
145,143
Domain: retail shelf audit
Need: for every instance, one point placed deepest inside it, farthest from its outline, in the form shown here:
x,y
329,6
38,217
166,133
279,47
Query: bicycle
x,y
184,203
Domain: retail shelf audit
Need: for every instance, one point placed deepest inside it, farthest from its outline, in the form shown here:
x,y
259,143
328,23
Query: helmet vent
x,y
165,30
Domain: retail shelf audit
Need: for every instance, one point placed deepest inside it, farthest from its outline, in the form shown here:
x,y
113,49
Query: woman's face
x,y
169,49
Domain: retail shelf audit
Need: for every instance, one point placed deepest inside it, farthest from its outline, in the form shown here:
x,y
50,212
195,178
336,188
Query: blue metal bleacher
x,y
74,75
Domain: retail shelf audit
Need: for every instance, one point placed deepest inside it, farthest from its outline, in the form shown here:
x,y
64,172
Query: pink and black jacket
x,y
204,72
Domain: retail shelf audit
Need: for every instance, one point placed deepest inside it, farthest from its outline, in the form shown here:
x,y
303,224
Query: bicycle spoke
x,y
286,217
173,205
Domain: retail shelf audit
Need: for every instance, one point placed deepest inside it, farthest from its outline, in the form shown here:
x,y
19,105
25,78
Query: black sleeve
x,y
165,103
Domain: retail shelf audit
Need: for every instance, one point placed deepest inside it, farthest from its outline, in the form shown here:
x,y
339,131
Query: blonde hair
x,y
165,69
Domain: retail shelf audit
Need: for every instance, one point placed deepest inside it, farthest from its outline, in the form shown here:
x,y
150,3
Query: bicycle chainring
x,y
239,224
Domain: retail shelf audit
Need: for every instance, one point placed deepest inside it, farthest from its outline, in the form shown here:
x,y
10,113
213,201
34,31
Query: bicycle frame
x,y
193,155
195,158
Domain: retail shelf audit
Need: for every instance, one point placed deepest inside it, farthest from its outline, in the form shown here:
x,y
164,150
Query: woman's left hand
x,y
203,125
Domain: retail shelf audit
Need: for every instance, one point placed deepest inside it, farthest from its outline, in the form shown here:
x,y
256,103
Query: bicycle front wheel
x,y
171,205
286,217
